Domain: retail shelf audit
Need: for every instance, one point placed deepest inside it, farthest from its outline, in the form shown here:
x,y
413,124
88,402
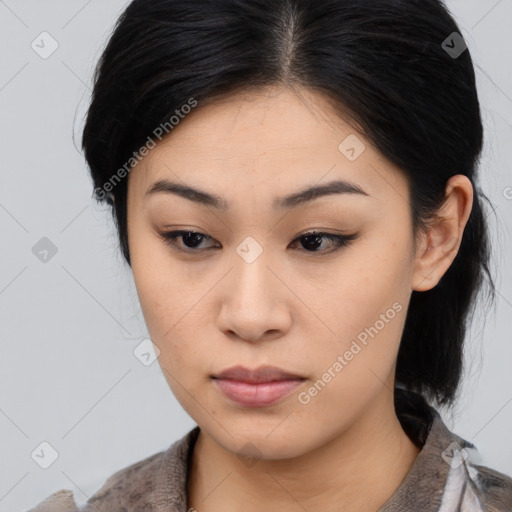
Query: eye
x,y
313,240
191,240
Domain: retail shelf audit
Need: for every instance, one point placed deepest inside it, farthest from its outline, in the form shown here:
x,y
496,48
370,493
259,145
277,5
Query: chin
x,y
266,440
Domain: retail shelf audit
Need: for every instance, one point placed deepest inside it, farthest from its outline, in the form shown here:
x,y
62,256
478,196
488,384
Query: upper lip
x,y
260,374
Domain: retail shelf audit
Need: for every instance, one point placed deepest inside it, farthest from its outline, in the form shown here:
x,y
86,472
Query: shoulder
x,y
448,475
60,501
470,485
142,485
132,486
492,487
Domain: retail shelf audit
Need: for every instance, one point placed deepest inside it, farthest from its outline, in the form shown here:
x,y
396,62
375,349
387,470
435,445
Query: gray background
x,y
69,326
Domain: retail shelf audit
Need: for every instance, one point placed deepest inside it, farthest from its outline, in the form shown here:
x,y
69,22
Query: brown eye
x,y
190,239
313,240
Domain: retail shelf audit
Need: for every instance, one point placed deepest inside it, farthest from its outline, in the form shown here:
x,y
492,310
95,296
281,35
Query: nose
x,y
255,303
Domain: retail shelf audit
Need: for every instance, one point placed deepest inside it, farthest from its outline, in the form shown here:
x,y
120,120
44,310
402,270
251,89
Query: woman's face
x,y
260,293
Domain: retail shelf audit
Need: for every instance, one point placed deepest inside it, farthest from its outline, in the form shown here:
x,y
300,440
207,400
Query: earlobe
x,y
440,244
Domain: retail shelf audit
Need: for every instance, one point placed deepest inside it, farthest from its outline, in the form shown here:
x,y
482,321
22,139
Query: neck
x,y
356,471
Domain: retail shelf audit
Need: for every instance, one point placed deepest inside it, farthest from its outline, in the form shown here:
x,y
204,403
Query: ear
x,y
438,246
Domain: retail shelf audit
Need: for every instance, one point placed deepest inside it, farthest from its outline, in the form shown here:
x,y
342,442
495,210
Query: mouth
x,y
261,387
258,375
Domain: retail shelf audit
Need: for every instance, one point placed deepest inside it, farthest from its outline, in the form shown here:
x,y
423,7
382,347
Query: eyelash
x,y
169,238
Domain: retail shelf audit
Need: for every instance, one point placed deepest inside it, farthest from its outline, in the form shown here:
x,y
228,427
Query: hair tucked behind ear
x,y
385,68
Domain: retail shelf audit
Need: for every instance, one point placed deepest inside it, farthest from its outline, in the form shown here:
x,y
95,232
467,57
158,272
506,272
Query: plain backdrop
x,y
69,325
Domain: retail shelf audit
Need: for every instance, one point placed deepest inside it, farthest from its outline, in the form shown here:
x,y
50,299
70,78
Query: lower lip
x,y
257,395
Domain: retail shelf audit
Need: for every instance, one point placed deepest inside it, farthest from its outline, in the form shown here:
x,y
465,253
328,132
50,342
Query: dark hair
x,y
390,68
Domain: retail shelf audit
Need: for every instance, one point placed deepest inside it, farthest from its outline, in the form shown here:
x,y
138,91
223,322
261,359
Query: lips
x,y
256,376
261,387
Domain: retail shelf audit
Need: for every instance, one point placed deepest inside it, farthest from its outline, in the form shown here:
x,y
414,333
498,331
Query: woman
x,y
294,186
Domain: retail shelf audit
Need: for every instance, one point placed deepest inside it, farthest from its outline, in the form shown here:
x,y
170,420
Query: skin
x,y
291,307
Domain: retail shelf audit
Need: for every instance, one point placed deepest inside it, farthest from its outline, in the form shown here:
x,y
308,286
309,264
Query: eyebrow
x,y
280,203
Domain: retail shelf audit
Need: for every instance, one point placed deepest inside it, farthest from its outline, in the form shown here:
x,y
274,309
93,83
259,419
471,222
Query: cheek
x,y
368,295
174,315
154,275
351,371
365,282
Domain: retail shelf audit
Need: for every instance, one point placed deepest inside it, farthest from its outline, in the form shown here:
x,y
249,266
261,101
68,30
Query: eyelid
x,y
341,240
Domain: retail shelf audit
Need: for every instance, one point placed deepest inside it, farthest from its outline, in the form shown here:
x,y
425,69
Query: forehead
x,y
276,138
274,118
